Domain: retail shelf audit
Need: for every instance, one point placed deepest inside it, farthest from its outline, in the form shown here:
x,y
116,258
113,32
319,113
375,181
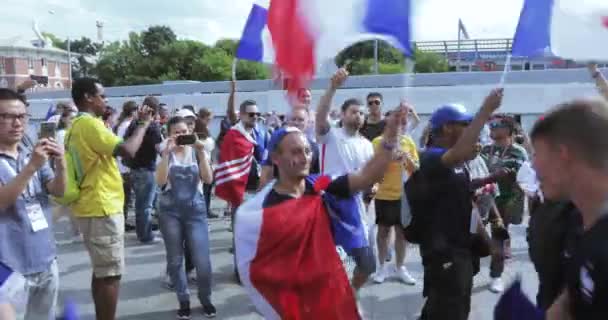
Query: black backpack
x,y
417,197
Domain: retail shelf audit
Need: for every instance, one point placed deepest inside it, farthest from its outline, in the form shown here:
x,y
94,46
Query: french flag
x,y
569,29
286,254
306,32
256,43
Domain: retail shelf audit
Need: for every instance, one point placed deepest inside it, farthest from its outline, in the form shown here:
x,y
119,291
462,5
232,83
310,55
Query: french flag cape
x,y
286,254
570,29
232,172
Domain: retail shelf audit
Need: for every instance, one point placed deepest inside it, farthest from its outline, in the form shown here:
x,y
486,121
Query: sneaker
x,y
497,286
209,310
381,275
404,276
184,311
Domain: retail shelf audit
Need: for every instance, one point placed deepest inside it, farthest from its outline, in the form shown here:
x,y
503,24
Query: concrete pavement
x,y
143,297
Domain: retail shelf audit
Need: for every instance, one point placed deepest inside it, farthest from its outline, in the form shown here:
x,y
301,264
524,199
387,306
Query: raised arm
x,y
130,146
322,124
13,189
374,170
231,114
600,80
466,146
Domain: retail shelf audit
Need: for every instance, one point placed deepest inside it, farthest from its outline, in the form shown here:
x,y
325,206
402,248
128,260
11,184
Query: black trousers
x,y
448,284
128,190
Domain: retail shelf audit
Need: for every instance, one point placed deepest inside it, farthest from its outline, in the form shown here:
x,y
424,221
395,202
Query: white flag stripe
x,y
233,176
579,30
246,236
233,162
230,170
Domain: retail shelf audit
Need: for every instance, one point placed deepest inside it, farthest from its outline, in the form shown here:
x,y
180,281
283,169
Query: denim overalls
x,y
183,218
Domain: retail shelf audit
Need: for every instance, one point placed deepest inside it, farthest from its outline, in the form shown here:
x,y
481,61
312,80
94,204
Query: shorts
x,y
388,212
104,240
364,260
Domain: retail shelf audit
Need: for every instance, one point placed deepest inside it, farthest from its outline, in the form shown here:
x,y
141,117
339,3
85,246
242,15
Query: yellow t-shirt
x,y
101,192
391,186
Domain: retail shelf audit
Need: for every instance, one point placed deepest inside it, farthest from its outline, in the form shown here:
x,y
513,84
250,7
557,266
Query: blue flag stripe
x,y
391,18
251,46
532,37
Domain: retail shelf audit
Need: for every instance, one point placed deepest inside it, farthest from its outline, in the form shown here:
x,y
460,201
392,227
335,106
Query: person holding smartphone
x,y
181,173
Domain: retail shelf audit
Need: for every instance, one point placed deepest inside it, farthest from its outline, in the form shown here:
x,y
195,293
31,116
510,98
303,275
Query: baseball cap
x,y
449,113
185,113
278,135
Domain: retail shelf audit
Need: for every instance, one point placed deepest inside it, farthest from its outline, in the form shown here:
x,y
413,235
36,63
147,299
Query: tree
x,y
156,37
430,62
228,45
214,65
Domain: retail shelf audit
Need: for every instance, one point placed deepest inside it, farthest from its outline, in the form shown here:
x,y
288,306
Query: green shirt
x,y
511,157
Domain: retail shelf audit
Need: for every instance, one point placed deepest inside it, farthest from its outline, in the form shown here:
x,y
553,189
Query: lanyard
x,y
30,191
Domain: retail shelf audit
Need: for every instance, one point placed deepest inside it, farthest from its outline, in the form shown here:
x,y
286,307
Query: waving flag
x,y
570,29
232,172
287,259
256,44
306,31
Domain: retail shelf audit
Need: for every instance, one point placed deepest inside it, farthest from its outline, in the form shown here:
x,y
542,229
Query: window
x,y
30,63
2,65
43,62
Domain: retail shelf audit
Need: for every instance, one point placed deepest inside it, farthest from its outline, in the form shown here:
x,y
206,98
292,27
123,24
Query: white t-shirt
x,y
120,132
343,154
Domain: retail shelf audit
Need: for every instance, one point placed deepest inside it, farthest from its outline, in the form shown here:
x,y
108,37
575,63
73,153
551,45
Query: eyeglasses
x,y
10,118
374,102
254,114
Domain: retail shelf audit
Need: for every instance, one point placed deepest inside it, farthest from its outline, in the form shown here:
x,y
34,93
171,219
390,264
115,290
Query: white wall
x,y
525,99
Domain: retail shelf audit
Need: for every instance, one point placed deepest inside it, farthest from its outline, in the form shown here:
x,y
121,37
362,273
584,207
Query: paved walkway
x,y
143,297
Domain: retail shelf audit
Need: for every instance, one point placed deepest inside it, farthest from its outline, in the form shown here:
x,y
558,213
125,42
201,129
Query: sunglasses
x,y
254,114
498,124
374,102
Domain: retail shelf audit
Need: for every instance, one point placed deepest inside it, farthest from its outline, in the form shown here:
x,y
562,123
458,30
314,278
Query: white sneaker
x,y
497,286
381,275
404,276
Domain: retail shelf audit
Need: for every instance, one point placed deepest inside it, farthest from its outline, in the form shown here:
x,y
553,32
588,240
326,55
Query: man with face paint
x,y
299,118
286,236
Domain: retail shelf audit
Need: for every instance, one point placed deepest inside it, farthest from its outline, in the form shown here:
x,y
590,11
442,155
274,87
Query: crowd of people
x,y
302,189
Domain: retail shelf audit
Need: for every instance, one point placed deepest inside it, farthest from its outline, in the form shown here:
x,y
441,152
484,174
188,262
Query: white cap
x,y
185,113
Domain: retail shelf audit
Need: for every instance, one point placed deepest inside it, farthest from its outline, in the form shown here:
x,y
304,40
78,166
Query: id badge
x,y
36,217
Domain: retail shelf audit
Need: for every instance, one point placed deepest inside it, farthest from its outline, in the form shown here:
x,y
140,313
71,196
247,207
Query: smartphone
x,y
40,79
47,130
184,140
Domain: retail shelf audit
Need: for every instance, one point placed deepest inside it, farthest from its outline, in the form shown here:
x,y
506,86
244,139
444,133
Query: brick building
x,y
21,58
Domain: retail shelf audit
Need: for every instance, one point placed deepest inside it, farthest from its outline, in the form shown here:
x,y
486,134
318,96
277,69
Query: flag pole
x,y
458,49
234,63
503,77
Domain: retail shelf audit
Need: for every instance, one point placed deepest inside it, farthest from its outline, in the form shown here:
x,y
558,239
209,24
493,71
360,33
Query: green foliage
x,y
156,55
390,60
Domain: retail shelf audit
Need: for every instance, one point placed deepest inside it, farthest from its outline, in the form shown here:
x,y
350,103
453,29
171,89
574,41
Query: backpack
x,y
416,200
74,172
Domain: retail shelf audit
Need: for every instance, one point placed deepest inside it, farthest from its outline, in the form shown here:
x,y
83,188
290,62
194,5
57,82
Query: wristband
x,y
141,123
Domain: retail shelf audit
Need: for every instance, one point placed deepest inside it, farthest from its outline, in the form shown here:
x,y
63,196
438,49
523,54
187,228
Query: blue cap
x,y
447,114
278,135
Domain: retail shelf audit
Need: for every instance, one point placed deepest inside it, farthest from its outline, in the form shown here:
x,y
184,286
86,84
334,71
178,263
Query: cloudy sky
x,y
210,20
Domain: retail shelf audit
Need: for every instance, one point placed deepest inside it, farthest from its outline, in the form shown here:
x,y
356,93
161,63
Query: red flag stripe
x,y
294,44
219,173
233,176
